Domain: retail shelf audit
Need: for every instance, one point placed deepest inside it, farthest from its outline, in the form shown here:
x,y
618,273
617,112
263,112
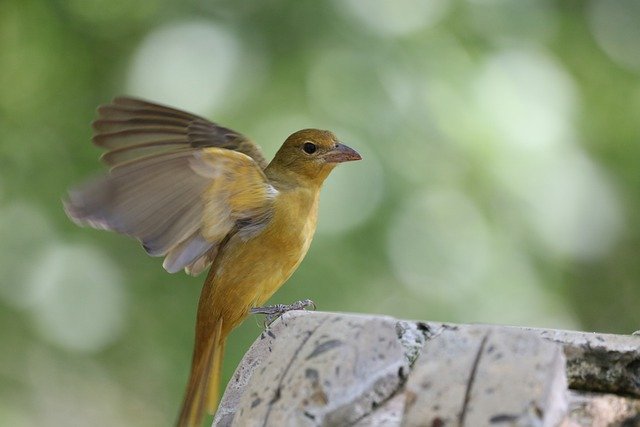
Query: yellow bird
x,y
202,195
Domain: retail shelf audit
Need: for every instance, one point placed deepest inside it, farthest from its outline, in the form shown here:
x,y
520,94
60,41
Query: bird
x,y
204,196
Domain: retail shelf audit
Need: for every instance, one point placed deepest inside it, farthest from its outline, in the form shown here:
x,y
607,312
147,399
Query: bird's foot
x,y
273,312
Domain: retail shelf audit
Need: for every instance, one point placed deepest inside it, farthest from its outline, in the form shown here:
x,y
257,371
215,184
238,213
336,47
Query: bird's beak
x,y
341,153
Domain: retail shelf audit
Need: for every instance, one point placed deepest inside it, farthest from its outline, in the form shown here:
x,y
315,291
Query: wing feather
x,y
179,204
186,253
132,129
235,178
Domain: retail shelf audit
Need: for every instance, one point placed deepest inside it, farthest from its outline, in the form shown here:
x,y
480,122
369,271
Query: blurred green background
x,y
500,180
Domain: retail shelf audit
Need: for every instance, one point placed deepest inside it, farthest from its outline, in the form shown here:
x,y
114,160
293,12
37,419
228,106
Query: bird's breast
x,y
250,271
290,233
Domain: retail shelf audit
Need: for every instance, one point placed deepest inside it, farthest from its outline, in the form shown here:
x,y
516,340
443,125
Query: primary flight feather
x,y
202,195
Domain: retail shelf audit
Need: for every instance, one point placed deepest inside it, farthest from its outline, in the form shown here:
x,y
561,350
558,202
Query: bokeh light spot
x,y
339,74
439,244
190,65
25,232
527,96
571,205
85,390
79,301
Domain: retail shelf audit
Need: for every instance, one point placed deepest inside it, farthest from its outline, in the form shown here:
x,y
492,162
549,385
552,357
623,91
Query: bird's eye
x,y
309,147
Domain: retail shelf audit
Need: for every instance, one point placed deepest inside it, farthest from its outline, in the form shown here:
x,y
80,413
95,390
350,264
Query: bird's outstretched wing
x,y
131,129
179,204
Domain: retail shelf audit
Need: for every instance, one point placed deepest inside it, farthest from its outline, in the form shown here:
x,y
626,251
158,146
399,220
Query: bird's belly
x,y
274,268
253,270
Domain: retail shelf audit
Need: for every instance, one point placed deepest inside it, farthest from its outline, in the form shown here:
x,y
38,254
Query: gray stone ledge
x,y
326,369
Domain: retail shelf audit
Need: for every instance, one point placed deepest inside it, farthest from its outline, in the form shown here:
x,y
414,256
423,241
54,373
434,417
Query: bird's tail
x,y
203,387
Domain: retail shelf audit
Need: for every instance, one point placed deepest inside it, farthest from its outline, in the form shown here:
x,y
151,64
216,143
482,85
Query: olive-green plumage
x,y
202,195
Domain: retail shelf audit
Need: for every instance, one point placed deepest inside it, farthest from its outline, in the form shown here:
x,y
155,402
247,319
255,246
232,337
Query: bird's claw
x,y
273,312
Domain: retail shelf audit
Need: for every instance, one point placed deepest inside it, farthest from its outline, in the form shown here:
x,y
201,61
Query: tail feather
x,y
213,387
202,389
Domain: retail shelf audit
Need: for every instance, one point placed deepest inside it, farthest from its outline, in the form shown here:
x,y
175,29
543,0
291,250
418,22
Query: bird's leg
x,y
272,312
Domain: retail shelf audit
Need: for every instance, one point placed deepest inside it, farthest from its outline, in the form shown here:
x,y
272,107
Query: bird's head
x,y
312,154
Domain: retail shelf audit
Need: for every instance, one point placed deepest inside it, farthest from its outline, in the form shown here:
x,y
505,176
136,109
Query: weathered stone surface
x,y
481,376
602,410
316,368
437,387
389,414
600,362
597,362
327,372
520,380
257,354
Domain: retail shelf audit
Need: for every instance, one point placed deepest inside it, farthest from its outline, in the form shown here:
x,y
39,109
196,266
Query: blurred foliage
x,y
500,180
